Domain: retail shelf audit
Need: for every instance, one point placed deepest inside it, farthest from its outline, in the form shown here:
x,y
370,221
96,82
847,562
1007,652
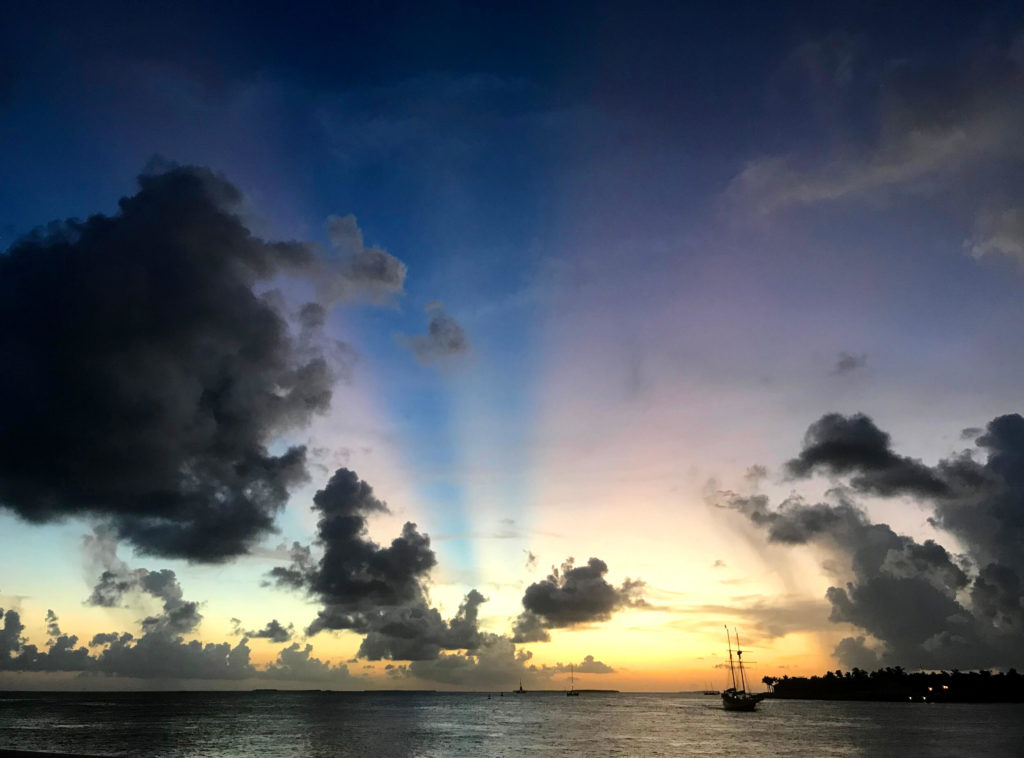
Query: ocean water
x,y
268,724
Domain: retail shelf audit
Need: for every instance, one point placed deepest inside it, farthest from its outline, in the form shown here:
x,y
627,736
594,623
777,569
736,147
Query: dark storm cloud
x,y
998,596
372,590
444,339
902,593
853,652
841,445
273,631
847,363
574,595
985,504
924,605
413,633
354,575
119,585
143,376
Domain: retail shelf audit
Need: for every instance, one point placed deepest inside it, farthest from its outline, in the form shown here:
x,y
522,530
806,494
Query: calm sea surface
x,y
341,724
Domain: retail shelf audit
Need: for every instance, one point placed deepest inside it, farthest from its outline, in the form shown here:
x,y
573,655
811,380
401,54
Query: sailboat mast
x,y
732,671
739,658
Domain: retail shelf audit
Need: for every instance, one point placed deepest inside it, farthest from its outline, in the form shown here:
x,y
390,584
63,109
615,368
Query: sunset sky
x,y
650,317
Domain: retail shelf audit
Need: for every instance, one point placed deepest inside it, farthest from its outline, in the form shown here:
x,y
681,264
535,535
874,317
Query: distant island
x,y
895,684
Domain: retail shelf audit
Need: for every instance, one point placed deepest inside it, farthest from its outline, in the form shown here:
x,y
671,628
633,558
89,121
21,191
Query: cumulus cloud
x,y
273,631
444,340
496,663
373,590
570,596
297,663
159,653
146,377
922,604
62,651
590,666
118,582
839,445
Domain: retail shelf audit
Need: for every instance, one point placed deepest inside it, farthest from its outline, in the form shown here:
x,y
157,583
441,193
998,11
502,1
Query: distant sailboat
x,y
573,692
737,698
520,691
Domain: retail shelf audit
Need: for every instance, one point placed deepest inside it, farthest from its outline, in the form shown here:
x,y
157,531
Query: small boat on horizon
x,y
520,691
572,691
736,698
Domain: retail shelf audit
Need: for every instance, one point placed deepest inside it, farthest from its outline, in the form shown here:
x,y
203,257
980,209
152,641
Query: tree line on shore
x,y
893,683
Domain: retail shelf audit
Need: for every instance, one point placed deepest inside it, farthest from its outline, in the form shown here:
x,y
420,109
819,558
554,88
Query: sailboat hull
x,y
740,701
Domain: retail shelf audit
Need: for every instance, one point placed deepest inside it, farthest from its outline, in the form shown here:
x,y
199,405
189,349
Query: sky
x,y
396,346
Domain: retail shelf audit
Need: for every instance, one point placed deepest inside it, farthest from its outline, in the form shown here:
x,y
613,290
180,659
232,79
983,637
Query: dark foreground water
x,y
356,724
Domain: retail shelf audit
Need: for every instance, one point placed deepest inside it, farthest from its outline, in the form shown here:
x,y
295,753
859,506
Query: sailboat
x,y
737,698
520,691
572,691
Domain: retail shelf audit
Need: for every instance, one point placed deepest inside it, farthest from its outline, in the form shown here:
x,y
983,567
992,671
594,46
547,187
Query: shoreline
x,y
42,754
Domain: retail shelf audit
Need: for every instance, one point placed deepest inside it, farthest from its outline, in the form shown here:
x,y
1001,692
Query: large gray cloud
x,y
144,377
373,590
574,595
118,584
984,507
926,606
839,445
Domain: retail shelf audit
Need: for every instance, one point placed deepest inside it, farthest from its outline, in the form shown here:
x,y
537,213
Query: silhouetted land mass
x,y
895,684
